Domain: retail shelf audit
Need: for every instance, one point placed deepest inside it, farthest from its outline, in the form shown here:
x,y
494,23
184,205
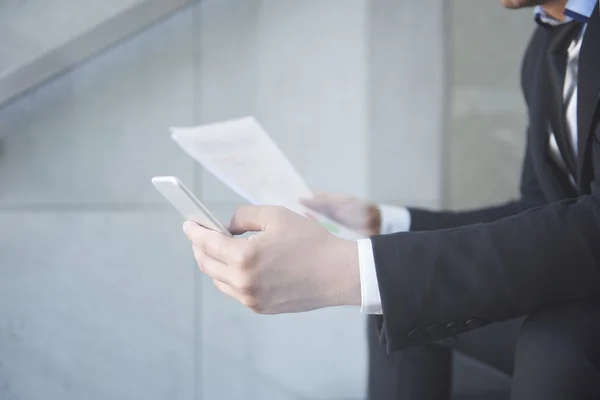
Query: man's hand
x,y
354,213
290,265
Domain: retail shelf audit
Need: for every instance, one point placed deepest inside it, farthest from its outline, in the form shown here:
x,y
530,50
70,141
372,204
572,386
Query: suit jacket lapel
x,y
588,91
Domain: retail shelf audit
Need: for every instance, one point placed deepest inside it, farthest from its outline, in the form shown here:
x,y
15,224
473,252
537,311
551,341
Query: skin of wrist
x,y
344,288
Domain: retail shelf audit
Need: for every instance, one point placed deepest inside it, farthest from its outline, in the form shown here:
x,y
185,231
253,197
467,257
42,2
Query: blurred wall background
x,y
405,102
485,139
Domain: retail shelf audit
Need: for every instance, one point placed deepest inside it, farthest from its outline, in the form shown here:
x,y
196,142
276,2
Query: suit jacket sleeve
x,y
439,283
531,196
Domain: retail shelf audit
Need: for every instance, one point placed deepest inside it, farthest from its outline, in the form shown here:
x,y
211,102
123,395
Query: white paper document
x,y
243,156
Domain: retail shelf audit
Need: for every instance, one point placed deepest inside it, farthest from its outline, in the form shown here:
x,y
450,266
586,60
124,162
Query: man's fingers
x,y
253,219
247,300
317,205
214,244
226,289
212,267
326,203
337,204
326,198
247,219
319,194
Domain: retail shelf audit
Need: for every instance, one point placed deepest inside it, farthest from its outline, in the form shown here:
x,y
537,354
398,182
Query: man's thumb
x,y
249,219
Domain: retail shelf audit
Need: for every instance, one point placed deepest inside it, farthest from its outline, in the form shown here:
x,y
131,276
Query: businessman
x,y
501,264
425,371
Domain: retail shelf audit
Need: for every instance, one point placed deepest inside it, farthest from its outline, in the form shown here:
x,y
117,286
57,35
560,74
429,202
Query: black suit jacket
x,y
461,271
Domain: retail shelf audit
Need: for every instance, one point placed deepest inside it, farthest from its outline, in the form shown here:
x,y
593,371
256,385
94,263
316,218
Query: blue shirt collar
x,y
580,10
543,18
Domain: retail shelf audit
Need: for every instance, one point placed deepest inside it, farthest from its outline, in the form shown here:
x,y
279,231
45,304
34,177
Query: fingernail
x,y
187,225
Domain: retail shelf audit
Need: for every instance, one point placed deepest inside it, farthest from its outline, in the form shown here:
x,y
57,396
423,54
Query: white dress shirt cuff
x,y
394,219
369,287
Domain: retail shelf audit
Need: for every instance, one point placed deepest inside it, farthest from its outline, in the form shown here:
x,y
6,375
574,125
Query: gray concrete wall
x,y
41,39
407,101
96,282
99,295
486,134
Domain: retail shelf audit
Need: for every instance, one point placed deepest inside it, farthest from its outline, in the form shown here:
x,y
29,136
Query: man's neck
x,y
556,9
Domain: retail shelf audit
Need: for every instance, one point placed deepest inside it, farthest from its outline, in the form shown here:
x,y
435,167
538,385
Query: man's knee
x,y
572,328
547,335
558,352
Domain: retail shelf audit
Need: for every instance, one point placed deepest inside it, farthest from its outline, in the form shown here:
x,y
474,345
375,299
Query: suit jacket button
x,y
434,331
414,334
474,323
452,328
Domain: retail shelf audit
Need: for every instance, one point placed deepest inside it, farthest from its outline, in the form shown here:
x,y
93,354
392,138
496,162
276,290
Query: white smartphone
x,y
186,203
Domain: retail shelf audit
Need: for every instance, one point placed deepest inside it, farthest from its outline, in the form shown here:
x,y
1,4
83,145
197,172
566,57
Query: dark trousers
x,y
553,354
